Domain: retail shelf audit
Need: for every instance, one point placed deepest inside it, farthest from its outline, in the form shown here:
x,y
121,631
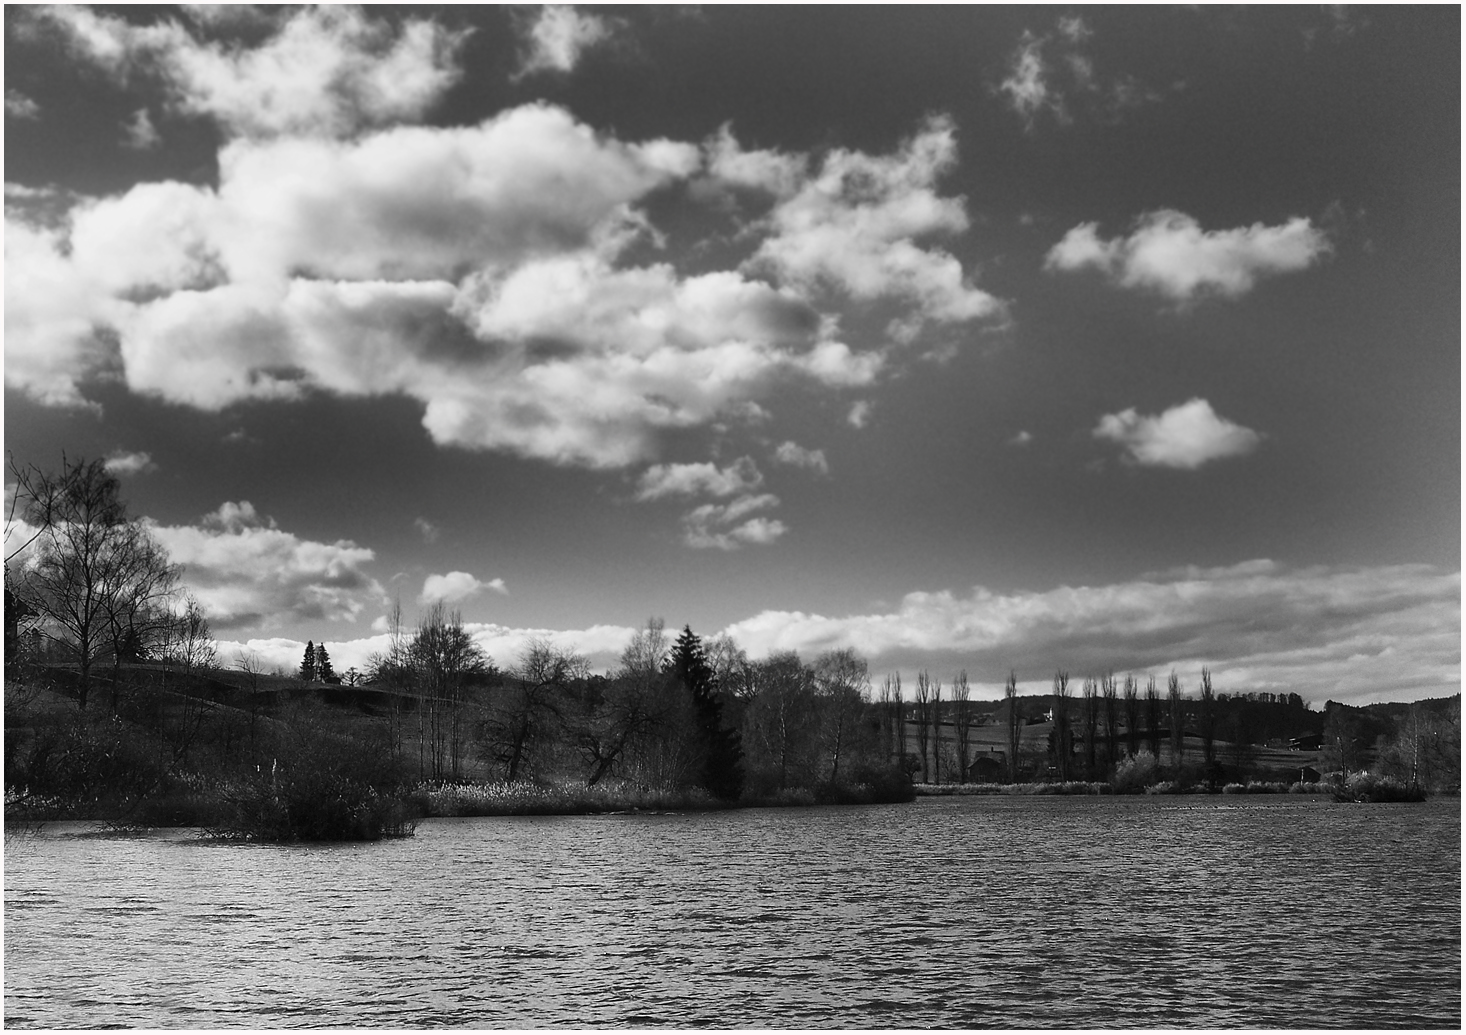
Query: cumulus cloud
x,y
558,37
328,69
854,227
794,455
122,463
1184,436
19,106
1345,633
479,270
729,526
457,586
664,480
1169,254
247,572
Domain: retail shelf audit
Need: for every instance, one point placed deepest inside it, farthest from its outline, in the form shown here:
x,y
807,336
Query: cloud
x,y
854,228
139,133
1023,438
600,644
329,69
664,480
1168,253
1027,82
795,455
480,271
426,529
456,586
122,463
859,415
19,106
1055,74
249,573
557,39
728,526
1184,436
1347,633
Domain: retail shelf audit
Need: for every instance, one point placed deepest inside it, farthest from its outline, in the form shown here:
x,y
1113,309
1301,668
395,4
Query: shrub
x,y
1372,788
1135,773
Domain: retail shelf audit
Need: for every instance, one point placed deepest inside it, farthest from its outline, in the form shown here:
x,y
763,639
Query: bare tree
x,y
1178,731
1208,723
936,712
923,721
962,722
1091,726
782,733
1153,718
1015,725
892,695
88,565
842,680
1112,721
191,641
1063,738
444,659
530,706
1132,716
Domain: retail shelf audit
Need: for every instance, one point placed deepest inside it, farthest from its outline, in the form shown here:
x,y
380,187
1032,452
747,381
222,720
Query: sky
x,y
983,339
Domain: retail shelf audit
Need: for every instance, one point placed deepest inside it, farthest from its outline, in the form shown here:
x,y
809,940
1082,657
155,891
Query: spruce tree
x,y
324,672
722,769
308,663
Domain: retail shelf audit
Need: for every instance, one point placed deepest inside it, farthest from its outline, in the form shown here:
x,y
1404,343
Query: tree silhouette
x,y
722,768
324,672
308,663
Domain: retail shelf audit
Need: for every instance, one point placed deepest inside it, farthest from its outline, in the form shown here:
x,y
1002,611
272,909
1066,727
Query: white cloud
x,y
795,455
556,40
854,227
139,133
329,69
1054,74
1350,634
1184,436
728,526
1023,438
859,415
1027,82
477,270
662,480
457,586
1168,253
122,463
426,529
249,573
19,106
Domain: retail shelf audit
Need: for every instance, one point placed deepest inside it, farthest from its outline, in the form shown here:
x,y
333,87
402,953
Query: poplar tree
x,y
1015,725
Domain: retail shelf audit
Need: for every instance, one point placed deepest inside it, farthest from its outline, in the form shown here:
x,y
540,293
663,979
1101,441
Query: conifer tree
x,y
722,747
308,663
324,672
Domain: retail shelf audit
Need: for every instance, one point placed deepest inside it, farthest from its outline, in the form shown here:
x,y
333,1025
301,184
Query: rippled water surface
x,y
975,912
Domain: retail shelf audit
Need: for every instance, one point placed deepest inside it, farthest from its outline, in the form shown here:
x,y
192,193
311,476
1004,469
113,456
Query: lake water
x,y
974,912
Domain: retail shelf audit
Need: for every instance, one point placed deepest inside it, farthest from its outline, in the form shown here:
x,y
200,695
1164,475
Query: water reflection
x,y
986,912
